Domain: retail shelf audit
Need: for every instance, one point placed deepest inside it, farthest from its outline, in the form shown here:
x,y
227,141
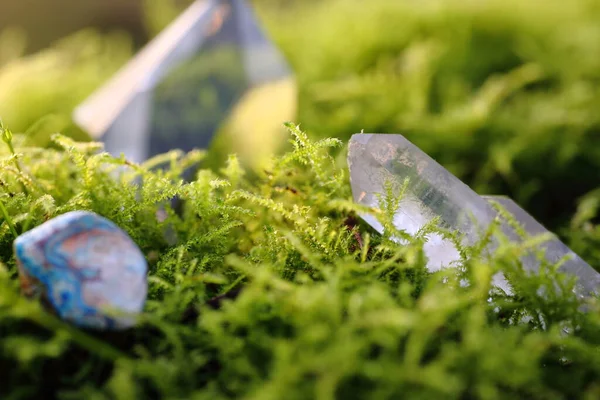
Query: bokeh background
x,y
504,93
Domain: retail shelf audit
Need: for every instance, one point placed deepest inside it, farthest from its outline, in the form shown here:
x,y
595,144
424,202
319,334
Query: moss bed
x,y
271,288
266,285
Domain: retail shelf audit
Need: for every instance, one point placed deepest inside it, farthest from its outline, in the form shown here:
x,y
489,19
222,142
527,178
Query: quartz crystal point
x,y
210,72
88,270
377,160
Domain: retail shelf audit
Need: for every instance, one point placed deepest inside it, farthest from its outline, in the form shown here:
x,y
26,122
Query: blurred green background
x,y
504,93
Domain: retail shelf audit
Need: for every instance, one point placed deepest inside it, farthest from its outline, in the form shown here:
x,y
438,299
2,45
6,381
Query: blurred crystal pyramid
x,y
210,73
377,160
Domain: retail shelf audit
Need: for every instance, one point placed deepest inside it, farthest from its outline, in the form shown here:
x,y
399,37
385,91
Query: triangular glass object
x,y
210,72
377,160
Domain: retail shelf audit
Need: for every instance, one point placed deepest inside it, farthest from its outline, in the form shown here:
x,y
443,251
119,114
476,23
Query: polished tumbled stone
x,y
87,269
433,192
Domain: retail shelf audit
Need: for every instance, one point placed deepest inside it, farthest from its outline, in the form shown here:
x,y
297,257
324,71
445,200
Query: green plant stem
x,y
4,212
233,285
12,151
7,138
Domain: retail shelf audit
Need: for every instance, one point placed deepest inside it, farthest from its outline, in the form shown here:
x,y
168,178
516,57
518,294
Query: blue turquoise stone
x,y
86,268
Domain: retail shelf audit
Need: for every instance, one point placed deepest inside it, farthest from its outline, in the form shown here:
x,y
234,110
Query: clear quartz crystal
x,y
212,72
379,159
554,249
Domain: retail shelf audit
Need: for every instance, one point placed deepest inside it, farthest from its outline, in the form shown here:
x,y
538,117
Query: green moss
x,y
266,284
273,290
487,88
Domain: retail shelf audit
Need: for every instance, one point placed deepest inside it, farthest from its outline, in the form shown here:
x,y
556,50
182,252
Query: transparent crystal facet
x,y
554,249
379,159
211,72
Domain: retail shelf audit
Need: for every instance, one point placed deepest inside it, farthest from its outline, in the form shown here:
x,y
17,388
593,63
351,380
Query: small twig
x,y
286,188
351,225
215,302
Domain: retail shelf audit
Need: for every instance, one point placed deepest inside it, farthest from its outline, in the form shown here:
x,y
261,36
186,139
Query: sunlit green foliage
x,y
39,91
270,288
488,88
502,92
